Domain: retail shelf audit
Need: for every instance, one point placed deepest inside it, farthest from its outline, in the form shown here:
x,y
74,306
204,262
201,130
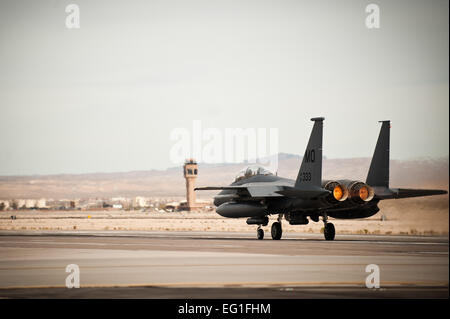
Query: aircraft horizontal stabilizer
x,y
408,192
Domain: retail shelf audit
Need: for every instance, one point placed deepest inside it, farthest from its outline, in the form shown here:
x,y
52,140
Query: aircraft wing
x,y
218,188
303,193
270,191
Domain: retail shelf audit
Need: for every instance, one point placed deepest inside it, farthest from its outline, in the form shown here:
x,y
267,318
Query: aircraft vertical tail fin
x,y
379,167
310,173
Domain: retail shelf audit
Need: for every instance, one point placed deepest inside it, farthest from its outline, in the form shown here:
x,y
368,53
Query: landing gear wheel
x,y
276,231
260,234
329,231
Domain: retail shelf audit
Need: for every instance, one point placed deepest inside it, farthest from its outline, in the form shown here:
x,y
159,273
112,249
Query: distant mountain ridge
x,y
425,173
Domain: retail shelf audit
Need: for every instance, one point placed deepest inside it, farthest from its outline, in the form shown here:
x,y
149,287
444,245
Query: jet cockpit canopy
x,y
252,170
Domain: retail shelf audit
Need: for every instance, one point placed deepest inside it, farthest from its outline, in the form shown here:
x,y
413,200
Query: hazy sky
x,y
106,97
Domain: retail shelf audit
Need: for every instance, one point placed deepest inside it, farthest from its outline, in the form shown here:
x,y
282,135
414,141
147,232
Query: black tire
x,y
329,231
276,231
260,234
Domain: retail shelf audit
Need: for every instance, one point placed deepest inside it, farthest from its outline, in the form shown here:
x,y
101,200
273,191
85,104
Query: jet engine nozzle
x,y
360,192
339,192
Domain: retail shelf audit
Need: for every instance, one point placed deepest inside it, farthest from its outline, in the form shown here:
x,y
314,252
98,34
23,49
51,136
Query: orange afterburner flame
x,y
361,192
338,193
364,193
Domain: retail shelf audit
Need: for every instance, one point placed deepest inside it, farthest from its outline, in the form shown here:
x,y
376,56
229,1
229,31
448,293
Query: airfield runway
x,y
130,264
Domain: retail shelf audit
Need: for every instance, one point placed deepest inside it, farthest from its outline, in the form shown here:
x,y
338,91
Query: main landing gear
x,y
328,231
276,230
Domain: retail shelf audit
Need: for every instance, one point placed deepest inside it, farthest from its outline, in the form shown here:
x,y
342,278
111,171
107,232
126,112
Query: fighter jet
x,y
257,193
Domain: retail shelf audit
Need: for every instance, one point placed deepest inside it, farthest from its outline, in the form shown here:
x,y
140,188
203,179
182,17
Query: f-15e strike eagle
x,y
257,193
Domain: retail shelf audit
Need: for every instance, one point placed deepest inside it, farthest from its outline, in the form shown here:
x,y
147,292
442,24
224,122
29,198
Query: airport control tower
x,y
190,173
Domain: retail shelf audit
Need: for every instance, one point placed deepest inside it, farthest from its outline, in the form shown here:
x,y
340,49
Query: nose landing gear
x,y
260,233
